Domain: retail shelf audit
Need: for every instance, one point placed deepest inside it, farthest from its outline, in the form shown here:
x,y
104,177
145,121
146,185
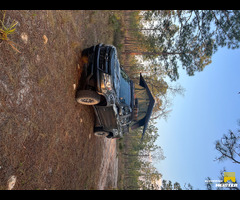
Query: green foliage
x,y
115,21
139,170
168,185
5,31
190,38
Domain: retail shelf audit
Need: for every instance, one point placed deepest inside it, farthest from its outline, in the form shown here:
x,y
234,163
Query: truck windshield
x,y
125,88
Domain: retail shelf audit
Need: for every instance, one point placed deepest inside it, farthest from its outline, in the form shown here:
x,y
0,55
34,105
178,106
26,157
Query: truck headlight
x,y
107,81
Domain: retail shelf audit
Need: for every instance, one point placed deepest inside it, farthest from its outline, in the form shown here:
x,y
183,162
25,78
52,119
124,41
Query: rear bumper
x,y
106,117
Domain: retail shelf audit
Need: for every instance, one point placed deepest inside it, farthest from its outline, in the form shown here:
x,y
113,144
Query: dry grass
x,y
44,133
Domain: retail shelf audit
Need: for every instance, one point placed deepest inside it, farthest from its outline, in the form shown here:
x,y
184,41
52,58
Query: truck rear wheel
x,y
98,131
87,97
101,133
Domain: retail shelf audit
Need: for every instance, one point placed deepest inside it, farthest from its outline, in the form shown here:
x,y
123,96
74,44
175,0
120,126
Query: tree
x,y
188,186
139,173
149,177
157,154
167,185
177,186
229,147
189,37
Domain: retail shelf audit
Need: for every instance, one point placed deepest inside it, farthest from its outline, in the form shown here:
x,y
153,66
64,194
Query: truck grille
x,y
103,58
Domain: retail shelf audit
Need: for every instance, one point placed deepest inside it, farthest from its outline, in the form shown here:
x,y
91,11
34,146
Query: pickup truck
x,y
119,103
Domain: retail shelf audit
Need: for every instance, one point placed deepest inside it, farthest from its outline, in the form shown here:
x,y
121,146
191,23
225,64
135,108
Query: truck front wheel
x,y
87,97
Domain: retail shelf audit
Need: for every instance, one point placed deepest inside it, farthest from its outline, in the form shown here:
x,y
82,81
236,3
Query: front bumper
x,y
97,65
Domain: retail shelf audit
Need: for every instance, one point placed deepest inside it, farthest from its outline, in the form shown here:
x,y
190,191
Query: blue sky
x,y
209,108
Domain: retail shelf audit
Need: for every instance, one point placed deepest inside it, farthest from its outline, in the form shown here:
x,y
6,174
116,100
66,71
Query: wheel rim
x,y
87,101
101,133
87,97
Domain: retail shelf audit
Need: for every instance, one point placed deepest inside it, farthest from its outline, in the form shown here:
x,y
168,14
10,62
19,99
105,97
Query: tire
x,y
99,132
88,97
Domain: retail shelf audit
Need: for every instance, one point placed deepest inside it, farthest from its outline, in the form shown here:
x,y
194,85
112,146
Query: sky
x,y
209,108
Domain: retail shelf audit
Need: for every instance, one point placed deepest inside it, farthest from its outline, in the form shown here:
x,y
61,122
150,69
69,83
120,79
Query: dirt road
x,y
109,166
46,137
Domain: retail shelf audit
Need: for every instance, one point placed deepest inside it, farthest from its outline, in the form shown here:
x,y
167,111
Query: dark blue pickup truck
x,y
119,104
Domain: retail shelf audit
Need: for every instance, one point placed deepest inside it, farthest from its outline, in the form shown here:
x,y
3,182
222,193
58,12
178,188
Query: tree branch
x,y
219,23
199,27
